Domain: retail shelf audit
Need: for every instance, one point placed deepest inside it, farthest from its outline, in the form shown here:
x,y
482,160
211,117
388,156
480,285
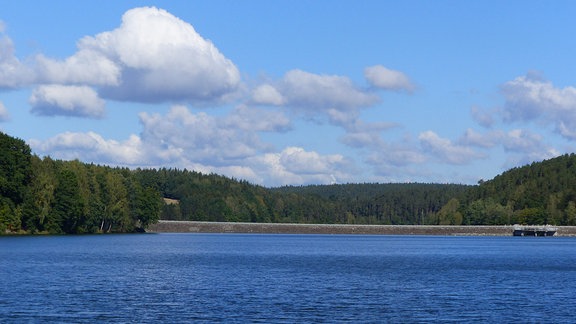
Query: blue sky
x,y
293,92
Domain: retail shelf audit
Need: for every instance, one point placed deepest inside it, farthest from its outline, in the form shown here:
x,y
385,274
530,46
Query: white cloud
x,y
13,73
152,57
482,117
209,139
401,161
360,139
4,115
267,95
521,146
85,67
78,101
342,118
531,98
522,141
91,147
397,155
525,147
567,129
332,97
287,167
257,120
446,151
381,77
362,134
296,166
474,138
297,160
321,92
201,142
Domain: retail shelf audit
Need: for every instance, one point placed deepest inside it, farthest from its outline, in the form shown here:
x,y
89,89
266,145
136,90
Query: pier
x,y
546,230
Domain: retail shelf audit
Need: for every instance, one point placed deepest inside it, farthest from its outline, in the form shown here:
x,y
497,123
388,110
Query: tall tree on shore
x,y
15,168
37,207
15,172
68,206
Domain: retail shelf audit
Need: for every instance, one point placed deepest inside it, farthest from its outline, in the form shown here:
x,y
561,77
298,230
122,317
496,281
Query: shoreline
x,y
164,226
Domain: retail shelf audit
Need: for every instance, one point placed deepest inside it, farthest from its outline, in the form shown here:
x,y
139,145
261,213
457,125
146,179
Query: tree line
x,y
43,195
52,196
538,193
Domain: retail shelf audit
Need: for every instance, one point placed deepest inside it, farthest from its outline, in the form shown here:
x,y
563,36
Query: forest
x,y
43,195
52,196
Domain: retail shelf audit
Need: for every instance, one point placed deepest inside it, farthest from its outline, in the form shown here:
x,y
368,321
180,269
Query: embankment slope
x,y
275,228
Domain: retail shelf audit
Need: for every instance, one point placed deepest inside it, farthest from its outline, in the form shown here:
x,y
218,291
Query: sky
x,y
293,92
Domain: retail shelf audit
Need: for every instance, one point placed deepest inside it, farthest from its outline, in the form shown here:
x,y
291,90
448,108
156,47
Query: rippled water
x,y
286,278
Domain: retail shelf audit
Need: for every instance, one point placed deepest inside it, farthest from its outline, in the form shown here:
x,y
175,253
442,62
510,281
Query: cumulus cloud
x,y
85,67
332,98
212,139
152,57
257,120
521,146
179,138
205,143
297,160
482,117
446,151
522,141
362,134
13,73
91,147
267,95
531,98
401,161
396,155
567,129
77,101
4,116
474,138
525,147
295,165
383,78
312,91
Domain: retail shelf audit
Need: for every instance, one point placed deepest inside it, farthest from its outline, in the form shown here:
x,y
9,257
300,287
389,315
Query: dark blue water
x,y
286,278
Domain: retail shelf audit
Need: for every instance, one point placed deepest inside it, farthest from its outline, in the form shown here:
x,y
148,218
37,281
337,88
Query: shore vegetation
x,y
45,195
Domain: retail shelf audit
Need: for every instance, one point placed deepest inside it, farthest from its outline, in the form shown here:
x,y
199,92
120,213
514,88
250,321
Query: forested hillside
x,y
194,196
374,203
539,193
52,196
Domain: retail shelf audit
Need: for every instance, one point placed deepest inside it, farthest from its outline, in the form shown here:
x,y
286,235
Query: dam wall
x,y
165,226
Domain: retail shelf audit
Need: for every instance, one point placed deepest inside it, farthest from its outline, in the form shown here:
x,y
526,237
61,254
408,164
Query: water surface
x,y
286,278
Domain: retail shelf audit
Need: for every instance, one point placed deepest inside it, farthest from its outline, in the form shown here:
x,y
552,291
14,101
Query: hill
x,y
387,204
53,196
539,193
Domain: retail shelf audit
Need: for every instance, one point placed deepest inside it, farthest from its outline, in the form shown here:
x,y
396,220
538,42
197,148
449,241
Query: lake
x,y
264,278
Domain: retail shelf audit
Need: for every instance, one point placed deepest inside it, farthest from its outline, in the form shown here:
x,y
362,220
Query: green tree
x,y
9,216
449,214
117,213
571,214
68,206
14,168
149,206
37,206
